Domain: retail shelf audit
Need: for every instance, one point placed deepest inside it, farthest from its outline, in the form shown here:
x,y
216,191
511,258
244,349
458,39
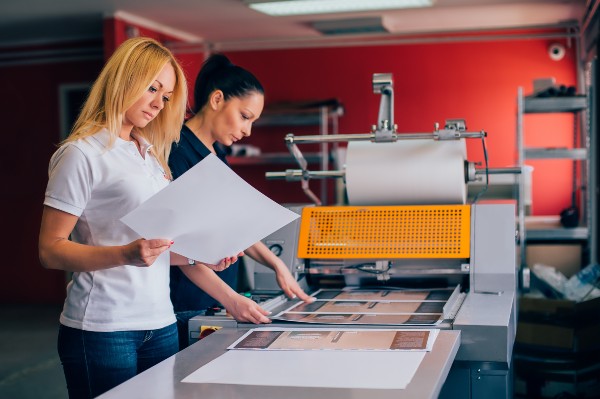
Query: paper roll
x,y
407,172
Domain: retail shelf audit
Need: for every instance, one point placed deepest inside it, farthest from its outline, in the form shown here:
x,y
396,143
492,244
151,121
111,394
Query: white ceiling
x,y
230,24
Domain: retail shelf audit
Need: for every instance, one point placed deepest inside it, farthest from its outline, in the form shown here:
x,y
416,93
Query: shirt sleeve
x,y
69,180
177,161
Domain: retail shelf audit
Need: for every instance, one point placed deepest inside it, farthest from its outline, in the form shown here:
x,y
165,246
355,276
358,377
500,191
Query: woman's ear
x,y
216,98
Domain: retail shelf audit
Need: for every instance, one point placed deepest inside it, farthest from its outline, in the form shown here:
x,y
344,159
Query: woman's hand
x,y
144,252
56,251
290,286
241,308
246,310
224,264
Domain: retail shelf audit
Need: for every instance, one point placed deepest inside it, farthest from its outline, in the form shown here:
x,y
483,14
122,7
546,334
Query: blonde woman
x,y
117,318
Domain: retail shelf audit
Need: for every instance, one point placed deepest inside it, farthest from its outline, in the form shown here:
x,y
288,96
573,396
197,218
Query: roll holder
x,y
384,132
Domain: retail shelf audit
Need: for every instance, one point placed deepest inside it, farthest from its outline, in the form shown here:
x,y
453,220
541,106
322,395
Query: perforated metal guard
x,y
385,232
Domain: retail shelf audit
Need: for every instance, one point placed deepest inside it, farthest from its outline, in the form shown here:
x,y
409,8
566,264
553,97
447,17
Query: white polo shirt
x,y
100,185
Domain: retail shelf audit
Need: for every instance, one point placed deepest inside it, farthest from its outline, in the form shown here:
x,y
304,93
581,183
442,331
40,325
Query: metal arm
x,y
384,131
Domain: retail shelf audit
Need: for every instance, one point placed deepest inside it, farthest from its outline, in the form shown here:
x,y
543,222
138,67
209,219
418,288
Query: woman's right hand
x,y
143,253
246,310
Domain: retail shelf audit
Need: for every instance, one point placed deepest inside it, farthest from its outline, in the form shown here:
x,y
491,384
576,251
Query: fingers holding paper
x,y
144,252
246,310
224,264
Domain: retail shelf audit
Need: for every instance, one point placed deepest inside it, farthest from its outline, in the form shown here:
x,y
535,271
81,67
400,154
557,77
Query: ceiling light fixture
x,y
352,26
304,7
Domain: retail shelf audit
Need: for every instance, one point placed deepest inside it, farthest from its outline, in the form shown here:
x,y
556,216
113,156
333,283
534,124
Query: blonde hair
x,y
127,75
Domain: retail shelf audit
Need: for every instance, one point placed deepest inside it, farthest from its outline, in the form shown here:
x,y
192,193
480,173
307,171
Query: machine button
x,y
276,249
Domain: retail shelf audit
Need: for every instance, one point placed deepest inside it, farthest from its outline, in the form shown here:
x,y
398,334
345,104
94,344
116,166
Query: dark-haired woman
x,y
227,100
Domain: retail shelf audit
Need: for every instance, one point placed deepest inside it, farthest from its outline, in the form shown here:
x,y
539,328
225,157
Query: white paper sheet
x,y
321,369
209,212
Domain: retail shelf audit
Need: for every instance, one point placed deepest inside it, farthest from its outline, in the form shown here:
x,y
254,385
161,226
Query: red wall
x,y
30,119
475,80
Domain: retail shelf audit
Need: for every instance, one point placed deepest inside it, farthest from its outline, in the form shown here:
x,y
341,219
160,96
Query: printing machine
x,y
468,248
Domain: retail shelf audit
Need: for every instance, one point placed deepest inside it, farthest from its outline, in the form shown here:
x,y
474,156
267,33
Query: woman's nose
x,y
157,103
247,131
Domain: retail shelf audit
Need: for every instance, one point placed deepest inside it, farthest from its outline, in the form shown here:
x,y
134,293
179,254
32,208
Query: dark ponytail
x,y
218,73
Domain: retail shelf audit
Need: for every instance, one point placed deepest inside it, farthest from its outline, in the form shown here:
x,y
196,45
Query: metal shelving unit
x,y
273,158
552,233
539,105
556,153
322,114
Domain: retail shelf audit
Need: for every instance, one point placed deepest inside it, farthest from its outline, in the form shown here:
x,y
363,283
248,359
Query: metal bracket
x,y
451,131
385,130
382,267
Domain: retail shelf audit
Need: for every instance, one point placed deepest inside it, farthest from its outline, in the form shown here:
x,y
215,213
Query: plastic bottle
x,y
584,285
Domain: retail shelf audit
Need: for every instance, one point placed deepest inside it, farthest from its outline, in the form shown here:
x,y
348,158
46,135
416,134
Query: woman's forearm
x,y
56,251
70,256
262,254
207,280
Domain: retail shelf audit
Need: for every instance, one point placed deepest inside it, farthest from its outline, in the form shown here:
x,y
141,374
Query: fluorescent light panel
x,y
303,7
350,26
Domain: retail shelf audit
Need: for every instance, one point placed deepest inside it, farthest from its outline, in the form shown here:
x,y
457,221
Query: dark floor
x,y
29,364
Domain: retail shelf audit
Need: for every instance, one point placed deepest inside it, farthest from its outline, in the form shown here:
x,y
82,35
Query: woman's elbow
x,y
43,256
46,259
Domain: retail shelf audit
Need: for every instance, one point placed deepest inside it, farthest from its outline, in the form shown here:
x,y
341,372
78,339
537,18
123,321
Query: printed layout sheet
x,y
268,338
379,307
322,358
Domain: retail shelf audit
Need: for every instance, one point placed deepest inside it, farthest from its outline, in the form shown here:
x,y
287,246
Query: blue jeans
x,y
94,362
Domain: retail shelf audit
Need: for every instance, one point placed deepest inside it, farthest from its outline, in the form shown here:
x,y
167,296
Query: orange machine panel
x,y
385,232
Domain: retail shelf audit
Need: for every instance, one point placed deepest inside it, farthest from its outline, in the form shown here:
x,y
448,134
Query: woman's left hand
x,y
290,286
225,263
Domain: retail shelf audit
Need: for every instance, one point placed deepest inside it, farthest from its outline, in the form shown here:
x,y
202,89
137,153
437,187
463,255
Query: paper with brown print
x,y
390,295
335,339
362,319
367,307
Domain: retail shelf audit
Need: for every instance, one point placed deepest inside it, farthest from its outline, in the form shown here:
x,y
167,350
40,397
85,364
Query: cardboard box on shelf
x,y
542,222
559,323
566,258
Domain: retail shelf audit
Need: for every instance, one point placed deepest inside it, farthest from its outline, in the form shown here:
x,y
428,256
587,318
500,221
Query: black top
x,y
185,295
